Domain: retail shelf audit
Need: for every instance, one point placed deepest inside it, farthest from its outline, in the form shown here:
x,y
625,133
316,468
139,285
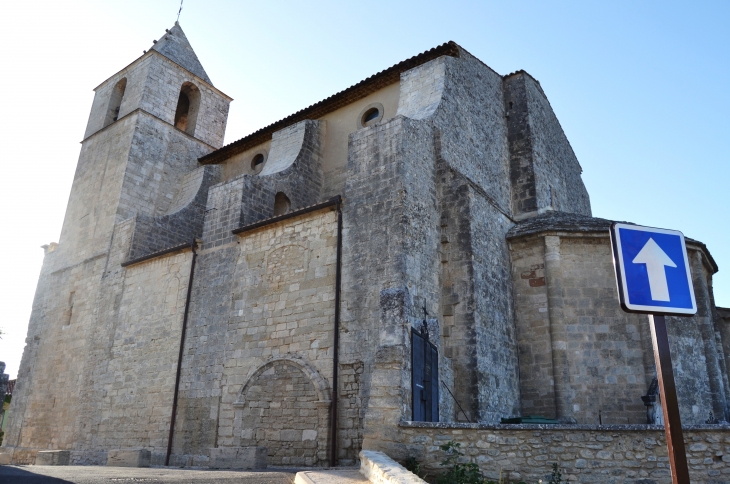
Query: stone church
x,y
414,252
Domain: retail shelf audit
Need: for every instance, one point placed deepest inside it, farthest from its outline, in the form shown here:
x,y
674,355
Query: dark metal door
x,y
424,379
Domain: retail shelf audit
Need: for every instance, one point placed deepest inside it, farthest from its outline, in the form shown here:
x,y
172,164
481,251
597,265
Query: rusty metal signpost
x,y
653,277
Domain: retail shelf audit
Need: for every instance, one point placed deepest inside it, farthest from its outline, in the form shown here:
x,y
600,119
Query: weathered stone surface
x,y
53,458
381,469
447,221
544,171
251,457
581,357
128,458
338,476
585,453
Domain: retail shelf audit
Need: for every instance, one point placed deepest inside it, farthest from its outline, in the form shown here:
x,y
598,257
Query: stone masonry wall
x,y
609,454
558,182
294,167
91,211
101,350
544,170
159,159
285,304
51,392
390,242
519,137
472,127
136,75
581,354
496,339
478,330
153,85
183,224
136,389
261,297
457,292
280,411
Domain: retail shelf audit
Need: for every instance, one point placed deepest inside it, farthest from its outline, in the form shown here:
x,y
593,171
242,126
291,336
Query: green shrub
x,y
412,464
459,473
556,477
469,473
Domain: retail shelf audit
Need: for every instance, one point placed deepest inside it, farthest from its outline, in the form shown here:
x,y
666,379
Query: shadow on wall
x,y
21,476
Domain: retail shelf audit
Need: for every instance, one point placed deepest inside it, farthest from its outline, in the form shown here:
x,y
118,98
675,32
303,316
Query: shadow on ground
x,y
19,475
127,475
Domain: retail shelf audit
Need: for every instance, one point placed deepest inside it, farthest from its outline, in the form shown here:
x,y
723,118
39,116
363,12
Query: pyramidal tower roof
x,y
176,47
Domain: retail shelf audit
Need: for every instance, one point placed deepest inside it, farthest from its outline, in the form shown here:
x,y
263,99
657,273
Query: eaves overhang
x,y
351,94
562,222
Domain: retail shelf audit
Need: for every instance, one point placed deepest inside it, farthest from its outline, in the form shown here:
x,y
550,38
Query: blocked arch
x,y
321,386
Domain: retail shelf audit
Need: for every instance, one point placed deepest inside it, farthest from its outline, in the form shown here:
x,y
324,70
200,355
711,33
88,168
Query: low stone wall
x,y
586,453
381,469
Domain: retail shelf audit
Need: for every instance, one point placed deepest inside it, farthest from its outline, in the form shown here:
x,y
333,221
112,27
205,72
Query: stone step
x,y
334,476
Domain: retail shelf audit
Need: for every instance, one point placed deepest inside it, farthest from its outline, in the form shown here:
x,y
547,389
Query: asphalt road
x,y
127,475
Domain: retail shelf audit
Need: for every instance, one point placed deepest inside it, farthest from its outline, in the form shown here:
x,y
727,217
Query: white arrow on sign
x,y
655,259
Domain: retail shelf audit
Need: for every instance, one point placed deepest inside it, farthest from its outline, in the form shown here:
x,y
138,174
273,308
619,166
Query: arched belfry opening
x,y
188,104
282,204
115,102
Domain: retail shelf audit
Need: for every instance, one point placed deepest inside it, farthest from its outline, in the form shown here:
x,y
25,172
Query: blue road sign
x,y
652,270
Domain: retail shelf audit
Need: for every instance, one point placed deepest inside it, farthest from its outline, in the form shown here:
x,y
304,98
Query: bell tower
x,y
149,124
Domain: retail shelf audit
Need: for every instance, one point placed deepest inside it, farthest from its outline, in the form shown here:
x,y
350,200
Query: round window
x,y
257,162
370,115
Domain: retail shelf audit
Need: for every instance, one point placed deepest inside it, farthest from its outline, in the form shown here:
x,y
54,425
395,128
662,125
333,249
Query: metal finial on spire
x,y
178,12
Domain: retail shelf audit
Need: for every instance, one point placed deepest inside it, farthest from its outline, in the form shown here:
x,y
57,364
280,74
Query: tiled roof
x,y
572,222
336,101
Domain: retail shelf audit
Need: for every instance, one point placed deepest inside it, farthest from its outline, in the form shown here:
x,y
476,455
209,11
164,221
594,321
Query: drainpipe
x,y
180,354
336,343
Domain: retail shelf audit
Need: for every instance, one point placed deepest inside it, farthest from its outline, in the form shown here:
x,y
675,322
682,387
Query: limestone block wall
x,y
496,339
457,294
262,311
45,405
136,75
281,328
390,242
462,98
478,328
159,158
544,170
581,354
421,89
153,85
136,389
202,365
161,91
183,224
585,453
92,206
104,341
293,167
558,180
722,328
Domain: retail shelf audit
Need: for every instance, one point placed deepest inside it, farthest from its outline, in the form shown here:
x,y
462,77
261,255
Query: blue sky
x,y
640,88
